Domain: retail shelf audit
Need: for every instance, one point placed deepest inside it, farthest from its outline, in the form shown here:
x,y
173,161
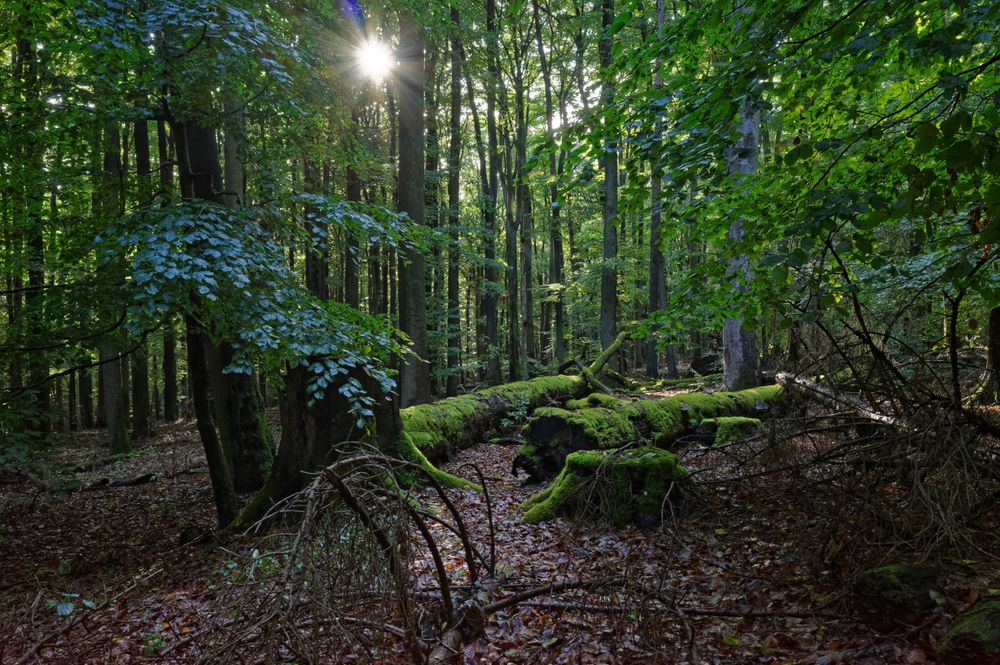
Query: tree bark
x,y
609,273
115,407
454,168
740,349
490,193
657,283
414,374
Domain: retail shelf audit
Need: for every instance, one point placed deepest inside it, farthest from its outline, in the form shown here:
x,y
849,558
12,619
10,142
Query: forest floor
x,y
98,575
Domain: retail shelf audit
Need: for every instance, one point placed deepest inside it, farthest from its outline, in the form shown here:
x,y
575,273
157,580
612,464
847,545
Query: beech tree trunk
x,y
490,193
740,349
609,274
414,374
115,406
454,167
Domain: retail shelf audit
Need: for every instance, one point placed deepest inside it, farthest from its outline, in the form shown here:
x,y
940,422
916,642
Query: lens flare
x,y
374,59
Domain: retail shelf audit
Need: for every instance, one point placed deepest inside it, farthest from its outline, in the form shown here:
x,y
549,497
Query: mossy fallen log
x,y
634,486
725,430
433,433
604,423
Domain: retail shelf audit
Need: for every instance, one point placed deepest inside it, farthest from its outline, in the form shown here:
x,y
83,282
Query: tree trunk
x,y
609,273
165,159
740,352
115,406
602,422
226,503
490,300
352,282
454,167
657,284
414,375
141,423
555,231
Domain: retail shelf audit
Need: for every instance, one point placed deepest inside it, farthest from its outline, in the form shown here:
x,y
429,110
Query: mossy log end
x,y
437,431
554,433
635,486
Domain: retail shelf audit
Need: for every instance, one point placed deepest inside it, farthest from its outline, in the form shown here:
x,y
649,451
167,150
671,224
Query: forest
x,y
499,331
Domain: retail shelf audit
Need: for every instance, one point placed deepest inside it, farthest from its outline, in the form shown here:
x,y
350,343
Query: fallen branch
x,y
831,397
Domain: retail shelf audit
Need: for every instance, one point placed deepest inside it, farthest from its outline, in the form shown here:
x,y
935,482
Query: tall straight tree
x,y
740,352
454,170
414,373
141,425
609,272
657,285
555,230
490,194
112,377
165,160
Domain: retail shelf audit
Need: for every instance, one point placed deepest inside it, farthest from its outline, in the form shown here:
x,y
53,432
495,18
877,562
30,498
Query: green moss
x,y
618,487
975,635
685,383
730,429
611,427
593,399
408,450
435,429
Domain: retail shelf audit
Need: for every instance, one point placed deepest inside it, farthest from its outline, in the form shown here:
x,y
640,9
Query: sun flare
x,y
374,59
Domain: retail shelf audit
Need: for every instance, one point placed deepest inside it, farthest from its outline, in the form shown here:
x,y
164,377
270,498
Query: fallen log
x,y
602,422
433,433
637,486
831,397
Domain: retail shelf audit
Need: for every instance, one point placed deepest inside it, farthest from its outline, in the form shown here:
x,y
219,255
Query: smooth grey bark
x,y
657,276
414,374
555,230
454,165
740,348
490,296
609,273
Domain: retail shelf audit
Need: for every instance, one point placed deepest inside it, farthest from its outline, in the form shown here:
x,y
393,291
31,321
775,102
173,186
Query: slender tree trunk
x,y
454,167
741,355
490,303
72,414
31,181
226,503
657,269
201,178
165,159
555,230
609,273
414,375
115,406
86,398
141,423
432,183
352,282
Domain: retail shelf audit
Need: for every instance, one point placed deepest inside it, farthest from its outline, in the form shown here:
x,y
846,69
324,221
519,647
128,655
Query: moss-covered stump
x,y
897,595
725,430
553,433
437,431
974,638
634,486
